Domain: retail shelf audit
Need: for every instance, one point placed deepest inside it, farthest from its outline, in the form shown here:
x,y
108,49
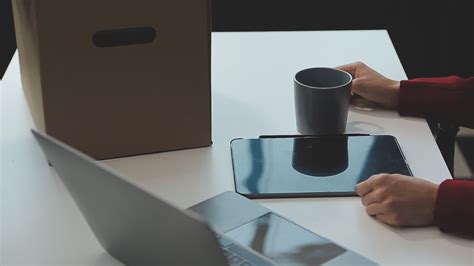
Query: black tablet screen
x,y
316,166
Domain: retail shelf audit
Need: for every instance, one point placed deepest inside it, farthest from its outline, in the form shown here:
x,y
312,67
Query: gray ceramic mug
x,y
322,98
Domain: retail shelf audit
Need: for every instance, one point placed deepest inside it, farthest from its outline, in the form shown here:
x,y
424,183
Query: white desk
x,y
252,95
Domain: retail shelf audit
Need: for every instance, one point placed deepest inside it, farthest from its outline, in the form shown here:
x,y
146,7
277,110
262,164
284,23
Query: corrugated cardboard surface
x,y
124,100
27,43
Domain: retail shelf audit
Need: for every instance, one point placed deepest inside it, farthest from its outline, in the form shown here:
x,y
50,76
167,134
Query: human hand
x,y
373,86
399,200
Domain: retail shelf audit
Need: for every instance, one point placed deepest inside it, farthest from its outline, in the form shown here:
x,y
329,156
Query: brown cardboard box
x,y
117,78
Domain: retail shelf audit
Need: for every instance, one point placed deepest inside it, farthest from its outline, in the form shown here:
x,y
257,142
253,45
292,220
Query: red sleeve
x,y
454,208
443,99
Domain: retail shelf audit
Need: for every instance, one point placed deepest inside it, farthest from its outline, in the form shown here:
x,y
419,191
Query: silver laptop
x,y
138,228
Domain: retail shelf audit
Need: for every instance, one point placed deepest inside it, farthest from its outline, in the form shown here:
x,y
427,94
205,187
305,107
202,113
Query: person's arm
x,y
400,200
406,201
454,208
443,99
449,99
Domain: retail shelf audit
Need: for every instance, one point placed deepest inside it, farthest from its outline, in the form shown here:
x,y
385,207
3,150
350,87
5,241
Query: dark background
x,y
432,38
7,35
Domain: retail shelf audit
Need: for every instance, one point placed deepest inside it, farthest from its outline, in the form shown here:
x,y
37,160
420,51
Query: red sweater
x,y
445,99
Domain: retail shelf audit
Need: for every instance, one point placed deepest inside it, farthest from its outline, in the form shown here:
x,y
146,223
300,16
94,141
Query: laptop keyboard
x,y
238,255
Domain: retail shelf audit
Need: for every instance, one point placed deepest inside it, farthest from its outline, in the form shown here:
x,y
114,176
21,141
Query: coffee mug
x,y
322,98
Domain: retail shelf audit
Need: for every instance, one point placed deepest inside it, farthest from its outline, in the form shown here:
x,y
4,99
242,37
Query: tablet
x,y
312,166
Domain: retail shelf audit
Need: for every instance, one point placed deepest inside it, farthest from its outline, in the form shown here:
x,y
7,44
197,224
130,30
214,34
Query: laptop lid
x,y
129,222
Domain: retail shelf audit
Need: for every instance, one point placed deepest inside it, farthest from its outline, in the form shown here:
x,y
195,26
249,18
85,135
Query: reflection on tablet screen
x,y
319,166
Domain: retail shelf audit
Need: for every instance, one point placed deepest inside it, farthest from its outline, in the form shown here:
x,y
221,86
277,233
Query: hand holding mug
x,y
373,86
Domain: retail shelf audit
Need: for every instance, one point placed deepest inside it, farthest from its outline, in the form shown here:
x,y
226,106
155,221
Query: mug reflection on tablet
x,y
320,159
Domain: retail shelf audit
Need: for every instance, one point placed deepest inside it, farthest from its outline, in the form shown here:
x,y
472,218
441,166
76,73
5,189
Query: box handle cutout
x,y
122,37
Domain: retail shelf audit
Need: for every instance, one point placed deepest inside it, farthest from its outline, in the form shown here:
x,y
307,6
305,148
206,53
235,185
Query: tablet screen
x,y
312,166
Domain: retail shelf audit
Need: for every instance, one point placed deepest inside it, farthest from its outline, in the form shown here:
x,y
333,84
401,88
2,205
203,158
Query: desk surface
x,y
252,95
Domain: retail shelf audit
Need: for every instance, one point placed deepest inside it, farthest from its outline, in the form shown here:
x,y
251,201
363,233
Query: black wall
x,y
432,38
7,35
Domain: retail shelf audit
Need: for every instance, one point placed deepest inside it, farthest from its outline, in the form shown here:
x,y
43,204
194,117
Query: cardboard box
x,y
116,78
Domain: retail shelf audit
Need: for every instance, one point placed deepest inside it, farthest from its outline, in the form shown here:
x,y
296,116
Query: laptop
x,y
137,227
